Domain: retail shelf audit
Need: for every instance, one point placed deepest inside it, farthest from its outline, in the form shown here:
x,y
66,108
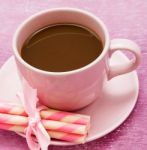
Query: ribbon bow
x,y
35,127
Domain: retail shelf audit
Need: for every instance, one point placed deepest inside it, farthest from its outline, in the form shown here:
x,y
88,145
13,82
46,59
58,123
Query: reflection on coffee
x,y
61,47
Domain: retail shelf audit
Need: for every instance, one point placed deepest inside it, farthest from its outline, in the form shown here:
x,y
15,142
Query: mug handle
x,y
128,45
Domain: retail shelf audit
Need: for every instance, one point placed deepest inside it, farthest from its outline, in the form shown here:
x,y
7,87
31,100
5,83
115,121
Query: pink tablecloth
x,y
125,19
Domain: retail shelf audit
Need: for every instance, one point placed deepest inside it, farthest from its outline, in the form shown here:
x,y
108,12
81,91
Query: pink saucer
x,y
119,98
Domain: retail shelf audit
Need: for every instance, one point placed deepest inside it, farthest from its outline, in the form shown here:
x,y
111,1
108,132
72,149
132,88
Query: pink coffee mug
x,y
73,89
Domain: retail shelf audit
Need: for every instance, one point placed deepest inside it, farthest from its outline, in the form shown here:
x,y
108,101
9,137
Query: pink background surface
x,y
124,19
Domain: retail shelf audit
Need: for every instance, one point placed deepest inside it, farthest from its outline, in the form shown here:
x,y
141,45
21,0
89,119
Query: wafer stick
x,y
69,137
49,114
48,124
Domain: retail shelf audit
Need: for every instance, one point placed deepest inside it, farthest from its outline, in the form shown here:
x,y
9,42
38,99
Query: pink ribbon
x,y
35,127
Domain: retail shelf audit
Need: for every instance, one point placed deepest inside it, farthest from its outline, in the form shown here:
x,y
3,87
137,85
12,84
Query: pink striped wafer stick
x,y
13,110
63,116
11,127
48,124
74,138
49,114
69,137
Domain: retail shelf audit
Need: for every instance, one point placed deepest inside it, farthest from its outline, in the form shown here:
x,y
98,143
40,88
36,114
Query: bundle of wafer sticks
x,y
65,126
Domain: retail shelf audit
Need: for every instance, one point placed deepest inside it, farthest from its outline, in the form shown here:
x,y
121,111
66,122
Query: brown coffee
x,y
62,47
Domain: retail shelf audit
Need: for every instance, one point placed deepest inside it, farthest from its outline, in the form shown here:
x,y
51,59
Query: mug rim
x,y
104,51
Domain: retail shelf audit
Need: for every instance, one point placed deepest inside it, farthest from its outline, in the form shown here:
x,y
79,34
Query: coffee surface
x,y
62,47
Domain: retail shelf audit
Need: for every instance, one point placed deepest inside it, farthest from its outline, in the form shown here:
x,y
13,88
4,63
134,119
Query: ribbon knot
x,y
35,127
35,120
